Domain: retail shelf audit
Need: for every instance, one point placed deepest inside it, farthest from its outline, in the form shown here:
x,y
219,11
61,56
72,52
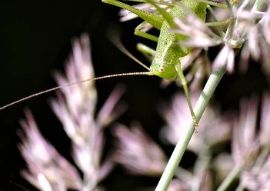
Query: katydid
x,y
165,59
166,63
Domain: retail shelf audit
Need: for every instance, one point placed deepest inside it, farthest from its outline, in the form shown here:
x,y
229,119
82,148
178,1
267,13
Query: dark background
x,y
35,39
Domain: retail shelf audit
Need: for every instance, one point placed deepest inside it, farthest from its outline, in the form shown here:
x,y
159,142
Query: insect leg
x,y
139,32
148,52
215,3
163,12
186,91
151,18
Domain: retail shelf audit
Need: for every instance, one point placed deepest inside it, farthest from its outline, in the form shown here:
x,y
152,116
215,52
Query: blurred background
x,y
35,40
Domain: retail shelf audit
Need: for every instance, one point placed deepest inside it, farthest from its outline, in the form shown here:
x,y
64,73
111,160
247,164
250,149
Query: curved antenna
x,y
117,42
75,83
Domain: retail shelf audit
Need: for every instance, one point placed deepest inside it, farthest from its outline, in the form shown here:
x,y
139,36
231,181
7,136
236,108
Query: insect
x,y
165,62
165,59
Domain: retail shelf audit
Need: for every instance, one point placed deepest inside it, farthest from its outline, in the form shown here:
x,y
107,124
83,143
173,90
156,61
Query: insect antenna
x,y
117,42
74,83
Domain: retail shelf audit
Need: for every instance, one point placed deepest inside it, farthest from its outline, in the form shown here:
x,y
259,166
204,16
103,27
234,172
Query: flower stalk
x,y
181,146
230,178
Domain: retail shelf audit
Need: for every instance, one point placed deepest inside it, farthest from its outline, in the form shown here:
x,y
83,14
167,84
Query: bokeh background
x,y
35,40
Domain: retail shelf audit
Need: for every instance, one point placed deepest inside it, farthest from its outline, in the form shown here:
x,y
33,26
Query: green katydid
x,y
165,59
165,63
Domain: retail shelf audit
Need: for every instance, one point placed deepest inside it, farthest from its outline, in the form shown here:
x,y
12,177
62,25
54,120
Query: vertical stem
x,y
201,166
262,157
229,179
259,5
182,144
240,187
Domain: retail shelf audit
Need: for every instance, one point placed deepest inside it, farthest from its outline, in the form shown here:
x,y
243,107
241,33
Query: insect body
x,y
165,63
168,51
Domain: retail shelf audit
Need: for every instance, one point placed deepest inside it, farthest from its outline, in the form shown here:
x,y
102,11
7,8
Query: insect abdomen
x,y
167,54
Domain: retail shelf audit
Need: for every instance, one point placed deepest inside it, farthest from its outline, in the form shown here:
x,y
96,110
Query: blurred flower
x,y
225,58
75,108
201,67
140,155
47,169
245,143
200,178
206,180
178,185
252,27
137,152
265,122
242,24
200,35
223,164
213,128
127,15
257,178
246,17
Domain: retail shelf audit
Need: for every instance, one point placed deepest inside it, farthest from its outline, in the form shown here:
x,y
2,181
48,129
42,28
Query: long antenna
x,y
75,83
117,42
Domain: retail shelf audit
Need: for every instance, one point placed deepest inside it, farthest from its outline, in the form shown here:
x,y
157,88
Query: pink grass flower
x,y
213,128
245,142
137,152
257,178
47,169
75,108
265,122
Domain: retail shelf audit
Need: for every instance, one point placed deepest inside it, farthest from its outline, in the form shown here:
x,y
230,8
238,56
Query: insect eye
x,y
161,69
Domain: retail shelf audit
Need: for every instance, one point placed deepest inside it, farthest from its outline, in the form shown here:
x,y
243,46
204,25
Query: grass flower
x,y
141,156
177,185
245,143
75,108
47,169
126,15
200,35
214,128
255,24
265,122
200,179
137,152
242,25
257,178
223,164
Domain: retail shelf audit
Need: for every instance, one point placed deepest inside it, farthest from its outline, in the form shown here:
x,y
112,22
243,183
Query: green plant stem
x,y
240,187
182,144
262,157
259,5
201,166
231,176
